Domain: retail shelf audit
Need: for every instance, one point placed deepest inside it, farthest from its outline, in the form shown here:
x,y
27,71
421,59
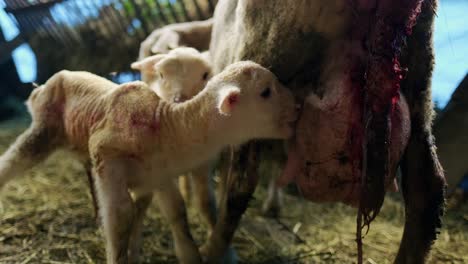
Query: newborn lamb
x,y
138,143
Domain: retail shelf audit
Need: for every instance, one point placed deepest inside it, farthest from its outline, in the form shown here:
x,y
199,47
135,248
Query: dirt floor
x,y
47,217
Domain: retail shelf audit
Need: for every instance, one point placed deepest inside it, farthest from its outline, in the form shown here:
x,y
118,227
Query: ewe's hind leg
x,y
172,207
423,181
116,208
423,189
30,148
141,205
205,199
92,188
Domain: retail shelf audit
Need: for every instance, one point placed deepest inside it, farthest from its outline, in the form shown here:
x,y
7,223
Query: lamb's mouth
x,y
292,121
179,98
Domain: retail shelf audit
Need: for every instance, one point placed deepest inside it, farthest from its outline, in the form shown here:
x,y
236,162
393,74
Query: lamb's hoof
x,y
135,255
230,257
132,259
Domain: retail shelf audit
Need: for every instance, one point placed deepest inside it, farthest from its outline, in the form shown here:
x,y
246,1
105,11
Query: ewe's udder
x,y
356,132
325,160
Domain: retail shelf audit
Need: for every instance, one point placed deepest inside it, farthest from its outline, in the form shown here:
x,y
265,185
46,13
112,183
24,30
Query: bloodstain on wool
x,y
136,111
386,33
399,76
382,29
54,110
141,120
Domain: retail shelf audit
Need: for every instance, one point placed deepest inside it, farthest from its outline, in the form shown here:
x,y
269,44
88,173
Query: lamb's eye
x,y
205,76
161,75
266,93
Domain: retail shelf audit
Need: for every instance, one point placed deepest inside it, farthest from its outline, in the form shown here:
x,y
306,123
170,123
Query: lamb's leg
x,y
142,202
172,207
196,34
30,148
273,203
274,154
240,187
185,188
205,199
423,181
116,208
92,188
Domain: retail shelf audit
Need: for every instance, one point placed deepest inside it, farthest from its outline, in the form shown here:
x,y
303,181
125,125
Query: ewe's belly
x,y
285,36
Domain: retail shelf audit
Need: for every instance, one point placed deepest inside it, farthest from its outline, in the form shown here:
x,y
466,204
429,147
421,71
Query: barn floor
x,y
46,217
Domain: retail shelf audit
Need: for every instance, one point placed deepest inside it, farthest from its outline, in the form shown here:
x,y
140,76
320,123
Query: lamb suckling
x,y
138,143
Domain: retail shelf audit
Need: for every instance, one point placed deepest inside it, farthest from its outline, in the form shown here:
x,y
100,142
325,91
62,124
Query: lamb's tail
x,y
37,89
30,148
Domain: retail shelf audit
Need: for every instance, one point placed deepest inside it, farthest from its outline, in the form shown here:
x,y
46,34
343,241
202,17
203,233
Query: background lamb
x,y
173,75
178,76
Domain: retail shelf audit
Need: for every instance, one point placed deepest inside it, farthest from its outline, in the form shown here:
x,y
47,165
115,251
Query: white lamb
x,y
176,76
138,143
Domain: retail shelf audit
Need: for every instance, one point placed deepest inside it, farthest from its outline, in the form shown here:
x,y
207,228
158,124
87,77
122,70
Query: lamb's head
x,y
254,102
176,76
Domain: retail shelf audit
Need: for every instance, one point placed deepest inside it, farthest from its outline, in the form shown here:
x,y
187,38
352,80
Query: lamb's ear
x,y
228,100
147,64
164,63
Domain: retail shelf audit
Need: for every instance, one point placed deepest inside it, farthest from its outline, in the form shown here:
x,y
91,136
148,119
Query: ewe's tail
x,y
30,148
